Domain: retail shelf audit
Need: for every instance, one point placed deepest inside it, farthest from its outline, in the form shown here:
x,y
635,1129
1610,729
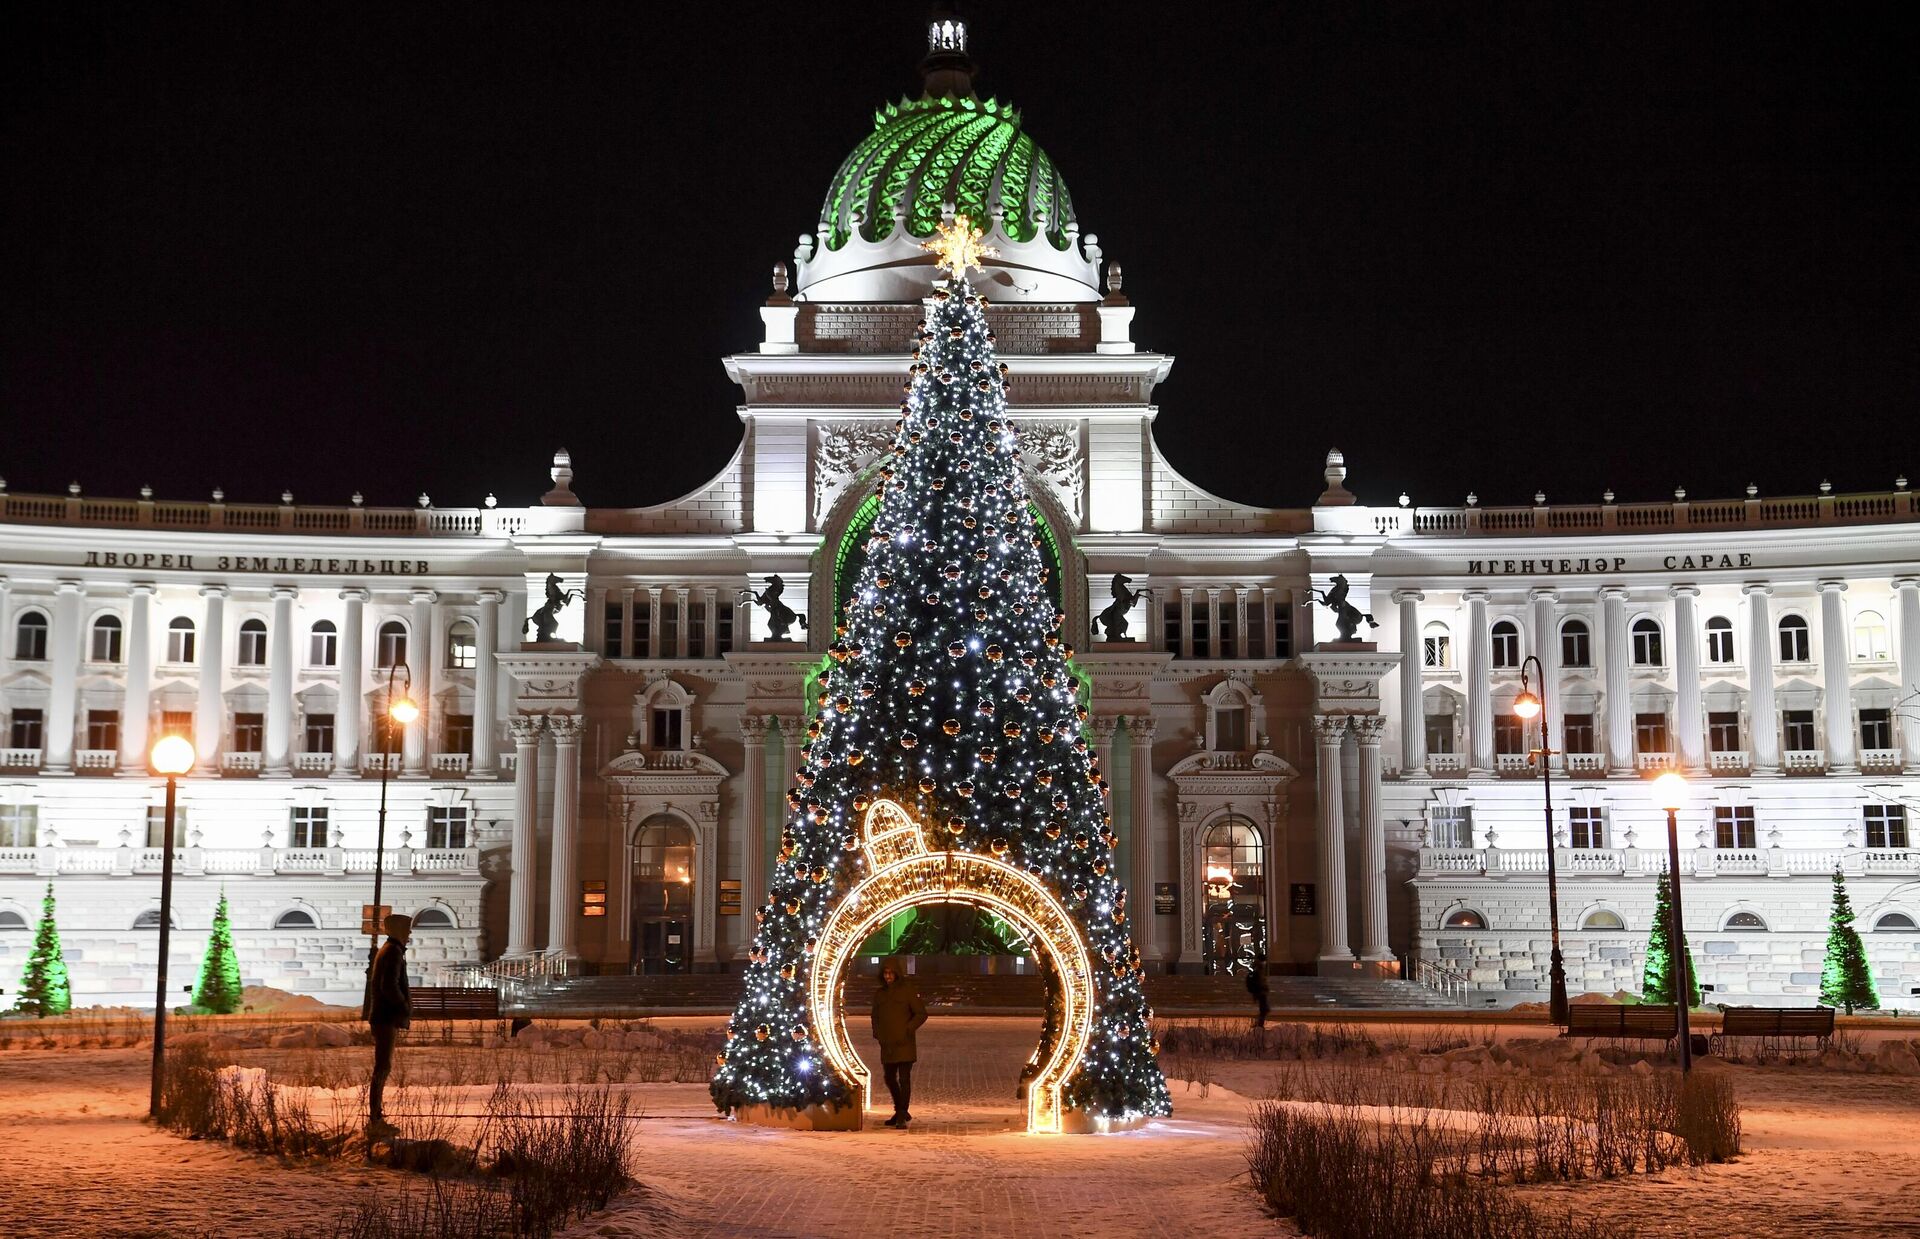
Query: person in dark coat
x,y
898,1012
387,1008
1257,986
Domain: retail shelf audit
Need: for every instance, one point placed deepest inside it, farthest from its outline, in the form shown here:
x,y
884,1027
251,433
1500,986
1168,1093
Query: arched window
x,y
1603,918
323,644
1891,923
1464,918
30,637
1719,639
9,919
105,645
1794,645
180,640
392,644
1576,644
253,643
1745,922
149,919
295,918
432,917
1870,637
1647,651
1506,644
463,649
1235,921
1436,646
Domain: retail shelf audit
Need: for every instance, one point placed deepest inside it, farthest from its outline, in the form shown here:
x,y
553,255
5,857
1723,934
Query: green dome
x,y
924,153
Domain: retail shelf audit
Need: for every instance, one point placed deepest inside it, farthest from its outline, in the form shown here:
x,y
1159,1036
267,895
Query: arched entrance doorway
x,y
904,874
662,897
1235,919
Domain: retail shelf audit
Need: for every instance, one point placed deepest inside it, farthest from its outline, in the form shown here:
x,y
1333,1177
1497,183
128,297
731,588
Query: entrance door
x,y
662,938
1236,904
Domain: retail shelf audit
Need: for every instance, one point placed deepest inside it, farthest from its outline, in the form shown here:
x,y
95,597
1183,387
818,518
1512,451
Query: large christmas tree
x,y
1656,982
1846,980
43,987
950,692
219,988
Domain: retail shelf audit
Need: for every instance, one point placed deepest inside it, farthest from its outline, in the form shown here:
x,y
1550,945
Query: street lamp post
x,y
1670,792
172,756
400,711
1527,706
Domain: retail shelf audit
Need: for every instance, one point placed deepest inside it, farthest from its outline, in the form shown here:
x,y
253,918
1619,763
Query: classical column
x,y
136,708
1413,698
565,729
1367,728
1690,729
486,687
1907,626
1245,646
351,713
1763,727
210,716
1330,730
1104,728
521,893
63,654
683,607
1216,648
1836,673
753,824
1140,824
1479,685
420,662
1186,621
627,624
710,622
1619,703
1546,648
278,757
654,643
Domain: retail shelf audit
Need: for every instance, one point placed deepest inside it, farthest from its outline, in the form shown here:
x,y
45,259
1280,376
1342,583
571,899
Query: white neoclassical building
x,y
613,795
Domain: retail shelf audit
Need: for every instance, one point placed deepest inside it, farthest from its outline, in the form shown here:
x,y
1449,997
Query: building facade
x,y
612,794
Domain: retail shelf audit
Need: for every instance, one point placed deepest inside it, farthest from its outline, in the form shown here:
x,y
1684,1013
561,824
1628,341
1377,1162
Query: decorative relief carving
x,y
1051,453
844,449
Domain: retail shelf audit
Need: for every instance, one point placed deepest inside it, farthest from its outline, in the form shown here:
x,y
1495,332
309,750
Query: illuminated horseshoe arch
x,y
903,873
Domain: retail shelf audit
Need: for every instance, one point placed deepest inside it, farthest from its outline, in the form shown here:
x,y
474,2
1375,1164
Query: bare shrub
x,y
443,1209
1707,1116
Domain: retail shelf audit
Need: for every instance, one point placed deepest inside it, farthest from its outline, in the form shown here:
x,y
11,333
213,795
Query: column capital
x,y
1830,587
1906,582
1757,589
1102,726
753,729
1543,593
1141,730
420,595
1186,591
207,591
1368,728
526,728
139,589
278,592
1408,595
74,587
355,594
1613,593
1683,591
1330,728
490,597
566,728
1474,594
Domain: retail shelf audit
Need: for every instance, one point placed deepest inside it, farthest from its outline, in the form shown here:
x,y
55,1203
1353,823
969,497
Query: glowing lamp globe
x,y
403,711
173,755
1527,706
1669,791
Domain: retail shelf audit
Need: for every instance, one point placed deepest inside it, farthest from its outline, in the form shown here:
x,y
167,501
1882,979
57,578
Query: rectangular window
x,y
1282,630
1733,827
1650,733
1586,826
613,627
1436,652
1202,632
1576,646
1170,627
1876,729
19,826
1257,630
642,628
253,645
1794,646
1229,631
1440,733
319,734
1886,826
307,828
463,648
666,728
249,733
157,826
1577,733
105,646
1230,730
1723,731
697,630
1509,734
103,729
27,731
180,642
459,734
1719,644
1797,729
447,826
323,647
723,628
1452,826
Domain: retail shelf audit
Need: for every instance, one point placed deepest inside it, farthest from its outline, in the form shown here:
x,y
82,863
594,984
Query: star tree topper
x,y
958,246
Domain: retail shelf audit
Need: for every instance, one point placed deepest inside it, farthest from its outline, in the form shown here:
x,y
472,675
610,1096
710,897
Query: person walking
x,y
898,1012
1257,986
387,1008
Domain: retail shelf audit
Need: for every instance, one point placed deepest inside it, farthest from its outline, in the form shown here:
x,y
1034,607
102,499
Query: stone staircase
x,y
716,993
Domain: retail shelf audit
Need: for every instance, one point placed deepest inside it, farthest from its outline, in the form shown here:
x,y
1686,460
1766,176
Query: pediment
x,y
1205,772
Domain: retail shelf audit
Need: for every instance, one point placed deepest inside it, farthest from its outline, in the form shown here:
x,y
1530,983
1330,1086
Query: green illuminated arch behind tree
x,y
851,554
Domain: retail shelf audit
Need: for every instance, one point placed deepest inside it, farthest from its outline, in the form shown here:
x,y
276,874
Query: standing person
x,y
898,1011
387,1008
1257,986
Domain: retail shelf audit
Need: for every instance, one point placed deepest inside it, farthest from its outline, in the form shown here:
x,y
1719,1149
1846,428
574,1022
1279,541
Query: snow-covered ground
x,y
1834,1150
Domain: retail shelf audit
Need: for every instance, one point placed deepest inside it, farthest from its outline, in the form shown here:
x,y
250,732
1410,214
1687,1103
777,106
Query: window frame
x,y
1794,639
390,641
441,822
1890,821
1576,630
251,645
463,643
1736,828
1719,631
30,638
302,822
1647,641
109,626
323,644
183,641
1503,645
1588,822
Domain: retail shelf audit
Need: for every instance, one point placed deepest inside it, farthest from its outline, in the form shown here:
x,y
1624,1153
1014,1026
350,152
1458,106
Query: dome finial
x,y
947,70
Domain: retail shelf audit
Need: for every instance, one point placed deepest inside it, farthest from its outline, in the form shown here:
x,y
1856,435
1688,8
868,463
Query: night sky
x,y
397,248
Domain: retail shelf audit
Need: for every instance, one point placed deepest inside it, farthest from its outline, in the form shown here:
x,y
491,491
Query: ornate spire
x,y
947,70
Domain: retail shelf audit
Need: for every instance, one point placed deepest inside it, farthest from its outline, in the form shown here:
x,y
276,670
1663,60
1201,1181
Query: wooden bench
x,y
1778,1024
445,1002
1645,1022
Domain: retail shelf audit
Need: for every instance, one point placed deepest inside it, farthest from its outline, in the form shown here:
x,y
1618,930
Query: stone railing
x,y
150,513
370,763
1512,764
1773,862
53,861
239,763
449,763
1649,762
19,759
1880,761
313,763
96,761
1803,761
1729,761
1446,763
1586,763
1753,512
